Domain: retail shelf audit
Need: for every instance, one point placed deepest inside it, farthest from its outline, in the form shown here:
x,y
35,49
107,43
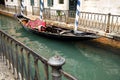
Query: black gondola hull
x,y
70,36
62,37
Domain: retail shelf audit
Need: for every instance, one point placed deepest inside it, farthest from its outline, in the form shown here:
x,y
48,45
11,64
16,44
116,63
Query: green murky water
x,y
85,60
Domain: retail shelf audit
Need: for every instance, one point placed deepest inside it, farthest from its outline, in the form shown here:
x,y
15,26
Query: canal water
x,y
86,60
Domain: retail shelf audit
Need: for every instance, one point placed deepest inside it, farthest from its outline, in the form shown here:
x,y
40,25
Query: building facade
x,y
101,6
97,6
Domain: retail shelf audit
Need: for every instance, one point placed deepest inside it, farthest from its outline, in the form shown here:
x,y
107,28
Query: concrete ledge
x,y
7,14
107,41
116,37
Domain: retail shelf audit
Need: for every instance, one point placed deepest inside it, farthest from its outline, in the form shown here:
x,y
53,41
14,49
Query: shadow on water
x,y
86,60
56,45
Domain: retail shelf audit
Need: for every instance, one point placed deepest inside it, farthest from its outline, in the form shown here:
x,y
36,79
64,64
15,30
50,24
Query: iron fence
x,y
28,65
114,24
12,9
35,11
55,15
95,21
100,22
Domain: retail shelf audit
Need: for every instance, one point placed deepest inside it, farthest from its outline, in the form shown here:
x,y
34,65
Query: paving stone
x,y
5,73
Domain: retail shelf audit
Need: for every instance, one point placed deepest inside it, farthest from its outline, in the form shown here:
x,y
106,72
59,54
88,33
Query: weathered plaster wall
x,y
98,6
101,6
15,2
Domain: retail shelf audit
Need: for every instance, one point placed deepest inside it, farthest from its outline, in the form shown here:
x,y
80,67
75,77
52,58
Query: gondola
x,y
54,32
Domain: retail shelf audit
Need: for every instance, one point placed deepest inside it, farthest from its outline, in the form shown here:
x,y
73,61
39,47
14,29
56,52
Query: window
x,y
50,3
32,2
61,1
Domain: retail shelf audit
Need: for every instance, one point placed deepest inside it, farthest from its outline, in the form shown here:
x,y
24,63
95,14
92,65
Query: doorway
x,y
72,5
72,8
2,2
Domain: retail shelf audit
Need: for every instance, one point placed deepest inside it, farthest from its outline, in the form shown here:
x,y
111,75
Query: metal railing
x,y
12,9
28,65
114,24
95,21
100,22
106,23
55,15
35,11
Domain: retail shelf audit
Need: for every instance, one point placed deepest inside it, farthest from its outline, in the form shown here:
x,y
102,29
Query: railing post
x,y
28,65
49,13
32,10
15,10
56,63
108,23
8,8
66,17
36,76
26,10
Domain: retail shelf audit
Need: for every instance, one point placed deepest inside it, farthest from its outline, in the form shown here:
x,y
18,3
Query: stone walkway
x,y
5,73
